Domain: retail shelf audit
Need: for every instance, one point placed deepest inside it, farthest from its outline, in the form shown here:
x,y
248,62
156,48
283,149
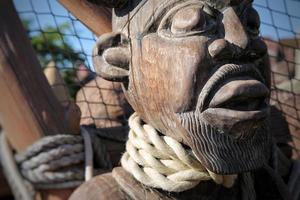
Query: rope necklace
x,y
162,162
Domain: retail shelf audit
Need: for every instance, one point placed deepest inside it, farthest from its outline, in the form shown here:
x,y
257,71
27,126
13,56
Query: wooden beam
x,y
96,18
28,108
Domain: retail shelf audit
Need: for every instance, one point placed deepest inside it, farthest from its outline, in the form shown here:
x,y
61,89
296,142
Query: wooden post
x,y
96,18
28,108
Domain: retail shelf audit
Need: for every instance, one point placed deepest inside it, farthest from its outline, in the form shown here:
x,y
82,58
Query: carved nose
x,y
235,37
234,29
221,49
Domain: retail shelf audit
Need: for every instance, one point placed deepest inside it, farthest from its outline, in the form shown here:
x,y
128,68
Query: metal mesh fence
x,y
280,26
61,40
63,46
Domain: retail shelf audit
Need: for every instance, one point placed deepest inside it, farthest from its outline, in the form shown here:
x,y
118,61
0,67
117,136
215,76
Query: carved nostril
x,y
220,49
111,57
117,56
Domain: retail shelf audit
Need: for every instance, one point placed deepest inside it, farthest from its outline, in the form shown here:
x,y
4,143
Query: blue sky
x,y
280,19
43,13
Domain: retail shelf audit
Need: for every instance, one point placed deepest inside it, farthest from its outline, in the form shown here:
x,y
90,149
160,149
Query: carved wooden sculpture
x,y
198,73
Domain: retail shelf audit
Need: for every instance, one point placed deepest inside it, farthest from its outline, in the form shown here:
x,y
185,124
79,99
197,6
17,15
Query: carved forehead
x,y
139,12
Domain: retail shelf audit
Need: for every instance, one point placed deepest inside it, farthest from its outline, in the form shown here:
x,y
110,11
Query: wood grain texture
x,y
96,18
29,110
102,187
201,76
181,71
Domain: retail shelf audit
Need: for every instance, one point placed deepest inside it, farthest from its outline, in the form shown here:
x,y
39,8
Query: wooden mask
x,y
197,71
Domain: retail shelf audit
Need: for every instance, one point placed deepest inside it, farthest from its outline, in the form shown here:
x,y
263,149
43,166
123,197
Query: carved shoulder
x,y
101,187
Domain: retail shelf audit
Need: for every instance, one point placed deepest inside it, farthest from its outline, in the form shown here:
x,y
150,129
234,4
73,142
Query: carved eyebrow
x,y
158,13
153,17
164,9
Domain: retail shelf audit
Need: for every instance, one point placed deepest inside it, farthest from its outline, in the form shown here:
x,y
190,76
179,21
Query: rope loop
x,y
162,162
60,161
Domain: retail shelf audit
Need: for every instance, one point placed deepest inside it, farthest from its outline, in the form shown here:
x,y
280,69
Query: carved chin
x,y
229,126
223,154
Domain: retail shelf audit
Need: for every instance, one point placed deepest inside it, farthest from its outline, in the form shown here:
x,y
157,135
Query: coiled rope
x,y
59,161
54,162
162,162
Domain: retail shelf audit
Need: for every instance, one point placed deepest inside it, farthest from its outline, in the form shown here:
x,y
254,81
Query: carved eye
x,y
252,21
185,20
188,19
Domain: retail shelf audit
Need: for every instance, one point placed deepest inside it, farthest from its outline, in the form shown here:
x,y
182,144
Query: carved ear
x,y
111,57
109,3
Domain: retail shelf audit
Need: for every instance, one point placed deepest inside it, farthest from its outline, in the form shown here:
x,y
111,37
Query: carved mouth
x,y
240,93
235,100
228,128
223,76
239,106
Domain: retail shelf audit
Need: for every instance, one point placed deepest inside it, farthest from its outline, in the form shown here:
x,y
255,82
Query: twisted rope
x,y
162,162
59,161
53,161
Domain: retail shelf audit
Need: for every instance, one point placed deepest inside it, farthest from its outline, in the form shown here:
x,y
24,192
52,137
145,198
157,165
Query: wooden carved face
x,y
197,71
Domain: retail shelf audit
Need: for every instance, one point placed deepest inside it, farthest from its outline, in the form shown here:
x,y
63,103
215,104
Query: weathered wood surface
x,y
96,18
179,80
28,108
102,187
196,74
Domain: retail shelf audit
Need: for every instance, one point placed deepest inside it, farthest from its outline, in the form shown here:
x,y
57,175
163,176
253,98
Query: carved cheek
x,y
168,68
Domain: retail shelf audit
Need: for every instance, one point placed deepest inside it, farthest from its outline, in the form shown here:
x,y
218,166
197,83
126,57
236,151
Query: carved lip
x,y
230,82
235,100
240,93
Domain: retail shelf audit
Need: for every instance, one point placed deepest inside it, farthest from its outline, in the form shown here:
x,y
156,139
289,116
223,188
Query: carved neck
x,y
162,162
140,166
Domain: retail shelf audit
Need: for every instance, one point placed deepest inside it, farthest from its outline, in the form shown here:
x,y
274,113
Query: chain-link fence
x,y
280,27
63,43
63,46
